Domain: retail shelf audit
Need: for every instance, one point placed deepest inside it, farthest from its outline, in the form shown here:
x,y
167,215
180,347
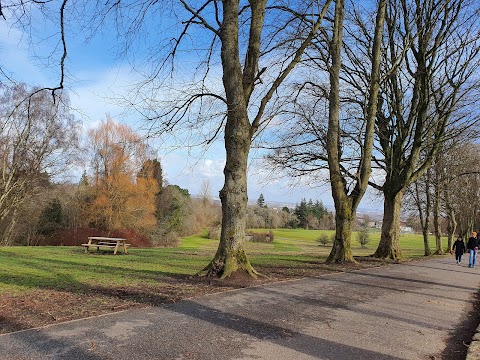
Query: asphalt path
x,y
418,310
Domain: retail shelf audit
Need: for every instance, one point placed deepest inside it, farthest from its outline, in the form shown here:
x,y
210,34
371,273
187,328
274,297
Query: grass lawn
x,y
41,285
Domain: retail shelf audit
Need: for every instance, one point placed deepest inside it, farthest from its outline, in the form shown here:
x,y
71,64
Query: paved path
x,y
409,311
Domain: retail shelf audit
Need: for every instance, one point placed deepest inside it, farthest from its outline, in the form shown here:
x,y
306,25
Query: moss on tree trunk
x,y
341,250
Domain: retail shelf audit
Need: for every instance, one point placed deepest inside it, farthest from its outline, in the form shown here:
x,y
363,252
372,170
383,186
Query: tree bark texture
x,y
389,246
426,245
344,218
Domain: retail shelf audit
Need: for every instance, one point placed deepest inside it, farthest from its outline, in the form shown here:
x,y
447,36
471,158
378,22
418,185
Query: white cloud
x,y
96,95
16,59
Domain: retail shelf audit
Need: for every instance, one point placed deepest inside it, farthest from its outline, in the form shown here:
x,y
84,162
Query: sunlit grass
x,y
23,268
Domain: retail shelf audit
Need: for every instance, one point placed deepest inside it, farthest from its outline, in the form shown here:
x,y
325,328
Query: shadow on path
x,y
303,343
459,339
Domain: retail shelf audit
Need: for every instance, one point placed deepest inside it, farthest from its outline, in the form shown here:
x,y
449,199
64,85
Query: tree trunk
x,y
389,246
346,204
341,250
231,255
426,246
451,227
436,219
424,216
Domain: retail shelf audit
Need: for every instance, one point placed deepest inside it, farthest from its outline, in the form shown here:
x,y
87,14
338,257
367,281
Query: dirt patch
x,y
41,307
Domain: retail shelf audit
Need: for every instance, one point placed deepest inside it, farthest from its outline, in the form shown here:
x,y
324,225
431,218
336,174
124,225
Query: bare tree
x,y
433,49
459,187
346,202
205,192
38,140
419,194
342,144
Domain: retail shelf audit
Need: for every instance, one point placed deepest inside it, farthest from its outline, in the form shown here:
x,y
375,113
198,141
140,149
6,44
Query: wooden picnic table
x,y
106,243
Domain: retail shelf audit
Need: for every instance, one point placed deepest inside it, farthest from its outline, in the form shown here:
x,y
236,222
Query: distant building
x,y
405,229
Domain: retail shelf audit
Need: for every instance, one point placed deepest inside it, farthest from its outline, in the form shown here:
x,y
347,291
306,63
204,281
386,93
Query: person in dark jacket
x,y
459,248
472,247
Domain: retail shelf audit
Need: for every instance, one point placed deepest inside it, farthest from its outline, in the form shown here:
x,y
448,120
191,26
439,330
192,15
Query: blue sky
x,y
94,74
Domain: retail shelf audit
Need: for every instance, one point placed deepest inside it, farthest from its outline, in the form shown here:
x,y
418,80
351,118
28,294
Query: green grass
x,y
69,268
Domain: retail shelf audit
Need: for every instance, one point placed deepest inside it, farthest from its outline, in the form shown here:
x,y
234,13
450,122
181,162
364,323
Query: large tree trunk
x,y
389,246
341,250
231,255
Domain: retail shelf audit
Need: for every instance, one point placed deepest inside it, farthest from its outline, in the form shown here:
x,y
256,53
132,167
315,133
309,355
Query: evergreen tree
x,y
306,210
51,218
261,201
84,180
301,211
152,168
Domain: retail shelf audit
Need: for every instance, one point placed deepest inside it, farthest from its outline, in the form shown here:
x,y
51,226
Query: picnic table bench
x,y
101,242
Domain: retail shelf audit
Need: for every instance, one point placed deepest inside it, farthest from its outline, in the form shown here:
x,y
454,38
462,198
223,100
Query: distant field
x,y
291,240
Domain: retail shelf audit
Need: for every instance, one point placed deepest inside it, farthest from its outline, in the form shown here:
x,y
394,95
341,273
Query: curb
x,y
473,352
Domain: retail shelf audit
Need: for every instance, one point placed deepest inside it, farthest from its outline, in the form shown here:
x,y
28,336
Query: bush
x,y
165,238
324,239
51,218
170,239
363,236
213,233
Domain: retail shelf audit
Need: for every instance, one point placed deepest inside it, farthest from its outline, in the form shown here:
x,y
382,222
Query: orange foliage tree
x,y
122,199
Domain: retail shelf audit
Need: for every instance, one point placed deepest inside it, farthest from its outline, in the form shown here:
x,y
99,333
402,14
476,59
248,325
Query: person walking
x,y
459,248
472,246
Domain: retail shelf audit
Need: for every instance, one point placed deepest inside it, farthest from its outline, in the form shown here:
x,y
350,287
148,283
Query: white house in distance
x,y
404,228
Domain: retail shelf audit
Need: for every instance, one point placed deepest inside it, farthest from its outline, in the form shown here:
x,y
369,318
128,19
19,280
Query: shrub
x,y
170,239
213,233
324,239
165,238
363,236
